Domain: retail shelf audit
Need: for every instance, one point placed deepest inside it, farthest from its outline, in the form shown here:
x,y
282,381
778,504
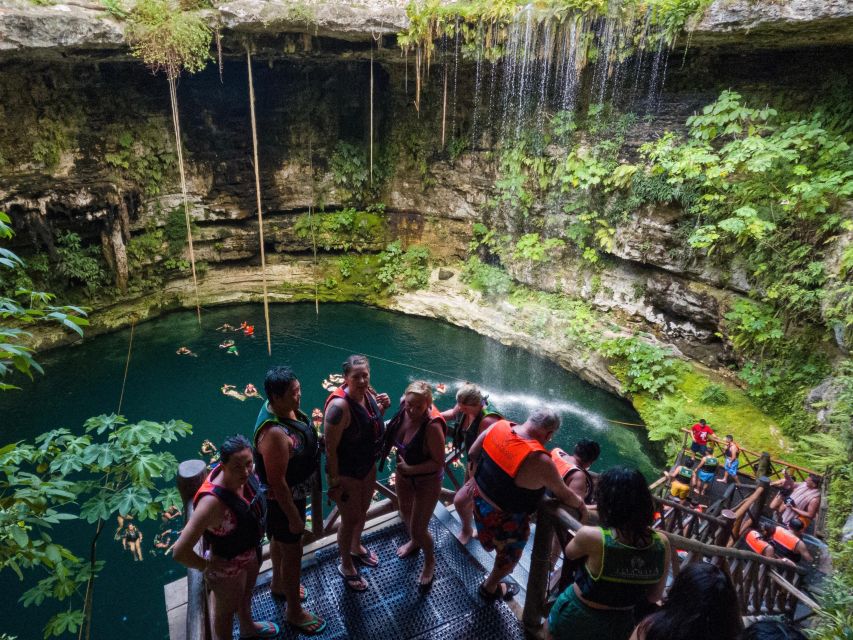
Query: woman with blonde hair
x,y
473,415
418,431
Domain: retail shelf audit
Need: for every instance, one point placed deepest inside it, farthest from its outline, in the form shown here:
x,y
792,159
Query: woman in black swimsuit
x,y
418,432
354,429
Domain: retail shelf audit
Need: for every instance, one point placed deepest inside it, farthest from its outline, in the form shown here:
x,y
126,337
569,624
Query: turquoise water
x,y
86,379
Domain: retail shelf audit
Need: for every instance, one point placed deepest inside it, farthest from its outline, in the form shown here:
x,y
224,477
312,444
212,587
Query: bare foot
x,y
428,573
407,549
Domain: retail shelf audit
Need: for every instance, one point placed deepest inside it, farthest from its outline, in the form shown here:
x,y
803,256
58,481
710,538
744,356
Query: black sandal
x,y
507,594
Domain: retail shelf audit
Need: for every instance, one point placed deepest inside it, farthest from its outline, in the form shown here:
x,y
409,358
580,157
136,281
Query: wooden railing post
x,y
763,468
724,532
540,567
763,482
191,475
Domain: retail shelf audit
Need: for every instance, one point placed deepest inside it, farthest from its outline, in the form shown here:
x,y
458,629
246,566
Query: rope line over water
x,y
126,366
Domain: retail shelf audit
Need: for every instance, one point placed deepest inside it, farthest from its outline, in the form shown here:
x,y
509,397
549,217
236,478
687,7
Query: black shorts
x,y
277,523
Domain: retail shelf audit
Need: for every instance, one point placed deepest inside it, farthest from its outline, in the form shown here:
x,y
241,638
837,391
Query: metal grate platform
x,y
393,608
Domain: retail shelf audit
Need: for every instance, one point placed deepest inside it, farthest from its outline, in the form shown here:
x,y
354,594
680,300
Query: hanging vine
x,y
169,40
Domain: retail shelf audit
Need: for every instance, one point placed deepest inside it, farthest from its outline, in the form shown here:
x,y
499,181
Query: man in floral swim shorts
x,y
513,470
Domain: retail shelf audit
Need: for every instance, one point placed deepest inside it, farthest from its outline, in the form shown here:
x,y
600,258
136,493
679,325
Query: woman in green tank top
x,y
626,563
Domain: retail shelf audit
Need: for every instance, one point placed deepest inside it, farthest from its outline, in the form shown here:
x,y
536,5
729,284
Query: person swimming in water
x,y
184,351
232,351
226,344
231,390
251,391
225,327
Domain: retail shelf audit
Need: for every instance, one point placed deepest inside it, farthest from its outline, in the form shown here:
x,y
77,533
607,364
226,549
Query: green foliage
x,y
345,230
647,367
350,167
77,264
714,394
492,281
141,153
168,39
116,469
403,269
667,420
769,187
532,248
50,138
25,307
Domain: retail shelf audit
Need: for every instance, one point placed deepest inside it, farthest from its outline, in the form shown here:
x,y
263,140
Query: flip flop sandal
x,y
511,591
351,581
423,587
368,558
303,594
310,627
268,630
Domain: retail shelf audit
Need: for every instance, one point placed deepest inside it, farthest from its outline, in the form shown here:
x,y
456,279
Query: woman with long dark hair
x,y
701,605
354,431
625,563
230,512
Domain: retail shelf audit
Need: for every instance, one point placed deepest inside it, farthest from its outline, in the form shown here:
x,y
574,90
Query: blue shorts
x,y
706,476
732,465
701,449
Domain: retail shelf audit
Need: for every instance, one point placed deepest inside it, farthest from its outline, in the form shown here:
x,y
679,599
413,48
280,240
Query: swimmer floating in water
x,y
226,344
440,388
225,327
317,417
184,351
251,391
231,390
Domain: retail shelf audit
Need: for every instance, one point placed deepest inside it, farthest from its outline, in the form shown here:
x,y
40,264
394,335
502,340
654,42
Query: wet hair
x,y
470,394
544,417
420,389
278,380
355,360
624,501
701,605
231,445
587,450
816,479
796,524
771,630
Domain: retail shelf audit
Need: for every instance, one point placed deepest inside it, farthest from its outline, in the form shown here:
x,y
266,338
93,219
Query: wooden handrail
x,y
191,475
804,471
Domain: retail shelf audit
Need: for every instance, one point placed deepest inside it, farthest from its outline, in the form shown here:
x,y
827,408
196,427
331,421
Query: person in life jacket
x,y
354,431
788,542
731,453
512,471
574,469
230,512
757,541
681,477
624,563
473,415
287,454
706,470
417,431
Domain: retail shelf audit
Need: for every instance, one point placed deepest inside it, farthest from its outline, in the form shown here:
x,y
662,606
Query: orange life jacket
x,y
507,449
564,468
504,451
756,542
786,538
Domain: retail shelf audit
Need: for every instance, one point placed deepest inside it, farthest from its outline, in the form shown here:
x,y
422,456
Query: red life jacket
x,y
756,542
250,515
504,451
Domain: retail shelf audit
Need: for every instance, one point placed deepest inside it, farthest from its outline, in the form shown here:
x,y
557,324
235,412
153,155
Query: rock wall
x,y
86,145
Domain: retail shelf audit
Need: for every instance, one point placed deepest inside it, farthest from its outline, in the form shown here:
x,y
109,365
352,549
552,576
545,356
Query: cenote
x,y
86,379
